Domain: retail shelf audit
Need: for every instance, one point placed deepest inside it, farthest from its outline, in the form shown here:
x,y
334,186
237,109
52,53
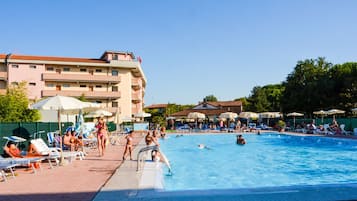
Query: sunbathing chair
x,y
55,152
26,161
5,165
22,162
327,130
344,132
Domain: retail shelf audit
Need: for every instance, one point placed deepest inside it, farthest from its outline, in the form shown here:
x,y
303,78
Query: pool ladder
x,y
151,148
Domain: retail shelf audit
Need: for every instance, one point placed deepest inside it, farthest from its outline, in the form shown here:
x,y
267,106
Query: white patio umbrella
x,y
269,115
62,104
98,113
142,115
248,115
228,115
294,114
322,113
196,115
334,112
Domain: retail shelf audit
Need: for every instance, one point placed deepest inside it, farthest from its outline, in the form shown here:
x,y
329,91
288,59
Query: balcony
x,y
135,84
3,75
135,98
87,94
80,78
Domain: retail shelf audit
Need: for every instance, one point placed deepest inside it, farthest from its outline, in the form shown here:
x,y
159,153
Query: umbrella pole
x,y
294,122
60,134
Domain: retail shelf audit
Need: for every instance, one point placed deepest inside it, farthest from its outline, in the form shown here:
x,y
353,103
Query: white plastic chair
x,y
55,152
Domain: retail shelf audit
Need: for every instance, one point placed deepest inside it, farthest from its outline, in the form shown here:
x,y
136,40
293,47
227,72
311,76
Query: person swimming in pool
x,y
240,140
202,146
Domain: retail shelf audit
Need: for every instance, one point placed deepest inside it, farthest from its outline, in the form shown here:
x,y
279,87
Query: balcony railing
x,y
87,94
80,78
3,75
135,98
135,84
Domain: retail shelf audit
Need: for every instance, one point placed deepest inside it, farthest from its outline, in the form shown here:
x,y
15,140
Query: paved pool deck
x,y
109,178
79,180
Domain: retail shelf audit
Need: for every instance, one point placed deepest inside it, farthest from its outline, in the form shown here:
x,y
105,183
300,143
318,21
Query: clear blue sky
x,y
190,48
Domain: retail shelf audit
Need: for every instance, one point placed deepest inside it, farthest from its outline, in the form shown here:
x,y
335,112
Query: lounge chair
x,y
29,162
43,149
23,160
327,130
6,165
344,132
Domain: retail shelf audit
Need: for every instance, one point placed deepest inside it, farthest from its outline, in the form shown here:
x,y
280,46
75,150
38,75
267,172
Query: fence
x,y
350,123
28,131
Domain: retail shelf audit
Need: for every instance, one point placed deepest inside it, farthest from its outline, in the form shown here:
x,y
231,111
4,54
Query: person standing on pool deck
x,y
128,146
101,136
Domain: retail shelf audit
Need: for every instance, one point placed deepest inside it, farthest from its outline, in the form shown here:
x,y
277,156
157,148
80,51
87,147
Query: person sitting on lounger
x,y
68,141
12,151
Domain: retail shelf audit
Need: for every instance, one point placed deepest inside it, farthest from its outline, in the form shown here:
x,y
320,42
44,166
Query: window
x,y
32,84
82,86
83,70
66,69
114,88
115,57
98,101
50,69
15,66
50,85
66,85
98,70
115,73
33,66
114,104
98,86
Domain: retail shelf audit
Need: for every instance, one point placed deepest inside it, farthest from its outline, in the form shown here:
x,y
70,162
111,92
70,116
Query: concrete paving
x,y
79,180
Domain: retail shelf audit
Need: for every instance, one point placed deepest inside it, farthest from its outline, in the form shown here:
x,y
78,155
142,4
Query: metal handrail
x,y
151,148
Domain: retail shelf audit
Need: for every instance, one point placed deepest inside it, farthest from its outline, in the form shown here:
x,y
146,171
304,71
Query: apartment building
x,y
115,80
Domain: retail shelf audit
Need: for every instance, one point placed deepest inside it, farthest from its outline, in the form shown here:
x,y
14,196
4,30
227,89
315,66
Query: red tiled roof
x,y
156,106
50,58
225,103
2,56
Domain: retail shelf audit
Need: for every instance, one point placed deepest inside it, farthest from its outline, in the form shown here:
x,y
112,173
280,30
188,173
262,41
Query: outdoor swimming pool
x,y
268,160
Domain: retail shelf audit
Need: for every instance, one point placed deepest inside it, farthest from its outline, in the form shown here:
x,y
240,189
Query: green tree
x,y
245,103
14,105
345,85
258,100
303,88
82,98
211,98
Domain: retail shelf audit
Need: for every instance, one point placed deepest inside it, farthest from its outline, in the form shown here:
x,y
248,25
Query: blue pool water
x,y
268,160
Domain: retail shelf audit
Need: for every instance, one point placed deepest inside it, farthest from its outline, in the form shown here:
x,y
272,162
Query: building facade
x,y
115,80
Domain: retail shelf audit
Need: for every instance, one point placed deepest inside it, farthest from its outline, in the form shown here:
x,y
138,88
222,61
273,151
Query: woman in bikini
x,y
101,136
129,145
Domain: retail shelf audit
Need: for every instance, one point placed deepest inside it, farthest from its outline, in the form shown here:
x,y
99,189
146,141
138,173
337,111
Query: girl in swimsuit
x,y
128,146
101,137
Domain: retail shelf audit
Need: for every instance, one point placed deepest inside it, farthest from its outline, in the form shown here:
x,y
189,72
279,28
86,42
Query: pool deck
x,y
79,180
109,178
